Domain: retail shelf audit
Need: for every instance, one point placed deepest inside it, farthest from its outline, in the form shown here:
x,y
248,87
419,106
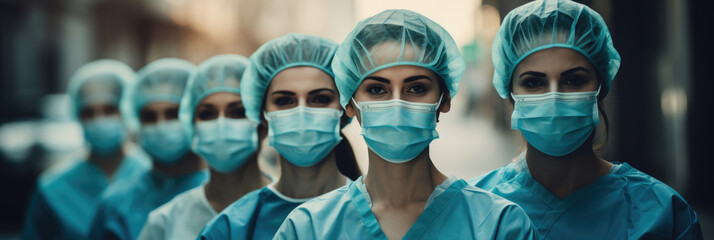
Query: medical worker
x,y
151,107
213,117
68,193
289,88
555,61
396,72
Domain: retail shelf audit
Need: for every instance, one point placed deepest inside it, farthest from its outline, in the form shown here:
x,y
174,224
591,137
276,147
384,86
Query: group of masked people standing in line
x,y
395,74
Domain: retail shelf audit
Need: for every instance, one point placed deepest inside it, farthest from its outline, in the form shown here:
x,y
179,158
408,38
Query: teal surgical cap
x,y
392,38
221,73
98,82
291,50
547,24
162,80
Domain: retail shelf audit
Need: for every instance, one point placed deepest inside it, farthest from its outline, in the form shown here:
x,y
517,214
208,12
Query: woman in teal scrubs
x,y
290,91
396,72
68,193
555,61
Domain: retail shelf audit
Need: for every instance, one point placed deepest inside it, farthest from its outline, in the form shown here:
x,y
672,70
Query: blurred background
x,y
657,106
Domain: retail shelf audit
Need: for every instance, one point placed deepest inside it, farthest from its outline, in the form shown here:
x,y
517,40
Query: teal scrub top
x,y
257,215
123,211
624,204
68,195
454,210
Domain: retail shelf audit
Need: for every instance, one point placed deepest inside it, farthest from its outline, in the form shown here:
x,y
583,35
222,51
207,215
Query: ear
x,y
445,103
350,110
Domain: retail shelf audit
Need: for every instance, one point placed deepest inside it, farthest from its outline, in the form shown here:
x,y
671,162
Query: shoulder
x,y
327,202
60,172
182,201
496,177
487,200
304,221
245,204
643,186
122,194
507,219
238,213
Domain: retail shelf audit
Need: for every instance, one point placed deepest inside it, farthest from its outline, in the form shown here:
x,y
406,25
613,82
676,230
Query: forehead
x,y
552,61
101,84
401,72
301,79
221,98
159,106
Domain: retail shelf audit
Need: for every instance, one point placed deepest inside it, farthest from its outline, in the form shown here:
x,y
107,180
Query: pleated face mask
x,y
105,134
166,142
225,143
398,130
556,123
304,135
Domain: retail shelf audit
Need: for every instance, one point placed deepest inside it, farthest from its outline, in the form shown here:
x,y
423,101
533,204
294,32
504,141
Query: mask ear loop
x,y
438,103
596,112
355,103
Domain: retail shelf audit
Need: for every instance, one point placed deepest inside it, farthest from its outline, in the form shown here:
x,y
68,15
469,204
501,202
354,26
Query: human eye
x,y
376,90
532,83
417,89
574,81
148,117
322,99
283,101
235,112
207,114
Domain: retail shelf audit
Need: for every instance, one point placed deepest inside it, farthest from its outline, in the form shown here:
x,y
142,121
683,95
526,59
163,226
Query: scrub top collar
x,y
437,191
526,180
164,181
440,199
275,191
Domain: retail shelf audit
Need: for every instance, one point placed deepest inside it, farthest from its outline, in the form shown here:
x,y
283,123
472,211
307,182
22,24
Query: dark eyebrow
x,y
572,70
537,74
283,92
235,104
206,105
378,79
320,90
417,77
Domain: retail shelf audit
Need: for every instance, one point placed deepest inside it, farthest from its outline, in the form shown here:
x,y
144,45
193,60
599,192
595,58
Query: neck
x,y
108,164
408,182
190,163
565,174
309,182
223,189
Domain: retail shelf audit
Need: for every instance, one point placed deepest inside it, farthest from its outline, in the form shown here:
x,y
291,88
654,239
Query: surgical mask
x,y
104,134
166,142
225,143
398,130
304,135
556,123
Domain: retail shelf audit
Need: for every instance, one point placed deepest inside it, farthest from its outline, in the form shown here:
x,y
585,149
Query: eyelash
x,y
377,87
322,99
236,113
207,114
282,101
528,82
423,90
574,81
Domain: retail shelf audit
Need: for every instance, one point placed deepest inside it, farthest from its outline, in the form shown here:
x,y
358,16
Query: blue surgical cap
x,y
162,80
98,82
546,24
291,50
221,73
392,38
